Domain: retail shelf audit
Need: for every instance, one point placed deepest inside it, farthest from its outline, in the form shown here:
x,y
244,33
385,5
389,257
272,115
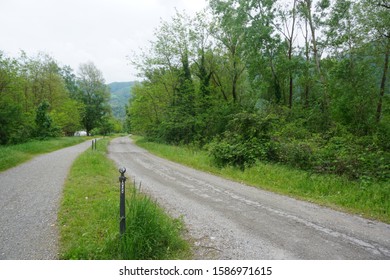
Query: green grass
x,y
13,155
371,200
150,233
89,216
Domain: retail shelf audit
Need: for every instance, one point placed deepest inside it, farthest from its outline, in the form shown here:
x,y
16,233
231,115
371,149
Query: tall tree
x,y
94,94
287,28
229,31
315,14
375,20
11,99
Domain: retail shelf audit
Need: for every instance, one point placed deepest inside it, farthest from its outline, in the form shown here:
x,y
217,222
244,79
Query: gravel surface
x,y
29,200
228,220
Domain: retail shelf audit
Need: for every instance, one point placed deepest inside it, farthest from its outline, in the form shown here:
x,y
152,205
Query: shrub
x,y
246,140
297,154
232,151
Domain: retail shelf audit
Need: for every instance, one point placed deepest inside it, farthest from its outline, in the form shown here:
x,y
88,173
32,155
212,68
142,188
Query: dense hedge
x,y
250,138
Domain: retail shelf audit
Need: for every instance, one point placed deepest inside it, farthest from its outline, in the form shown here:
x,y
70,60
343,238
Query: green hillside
x,y
120,94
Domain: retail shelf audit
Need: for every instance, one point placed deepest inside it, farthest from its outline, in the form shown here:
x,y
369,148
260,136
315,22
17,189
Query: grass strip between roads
x,y
89,216
370,200
13,155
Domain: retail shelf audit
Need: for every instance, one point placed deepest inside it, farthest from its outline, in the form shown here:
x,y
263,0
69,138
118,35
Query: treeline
x,y
303,83
41,99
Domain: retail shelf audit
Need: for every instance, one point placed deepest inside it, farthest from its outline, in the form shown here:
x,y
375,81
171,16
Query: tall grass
x,y
89,216
13,155
369,199
150,233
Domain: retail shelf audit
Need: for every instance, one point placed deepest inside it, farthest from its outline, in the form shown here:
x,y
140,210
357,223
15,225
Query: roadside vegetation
x,y
368,199
237,82
12,155
299,90
89,216
40,99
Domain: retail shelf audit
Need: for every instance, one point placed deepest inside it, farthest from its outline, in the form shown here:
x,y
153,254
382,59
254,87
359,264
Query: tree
x,y
374,19
169,90
70,80
26,84
94,94
232,79
68,116
229,31
201,47
314,20
10,108
43,121
287,28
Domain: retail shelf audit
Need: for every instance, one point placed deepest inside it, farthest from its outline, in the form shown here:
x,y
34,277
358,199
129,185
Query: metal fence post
x,y
94,144
122,180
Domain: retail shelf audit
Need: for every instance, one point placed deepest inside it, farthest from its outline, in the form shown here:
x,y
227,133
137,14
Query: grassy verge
x,y
371,200
89,216
11,156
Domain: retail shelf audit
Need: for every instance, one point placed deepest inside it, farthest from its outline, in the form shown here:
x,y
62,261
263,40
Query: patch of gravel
x,y
29,199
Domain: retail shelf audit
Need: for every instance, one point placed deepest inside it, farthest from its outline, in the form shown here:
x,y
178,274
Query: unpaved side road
x,y
228,220
29,200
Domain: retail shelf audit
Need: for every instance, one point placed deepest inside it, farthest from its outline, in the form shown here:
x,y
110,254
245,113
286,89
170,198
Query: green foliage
x,y
245,141
68,116
358,159
44,125
11,120
94,94
38,98
236,82
108,125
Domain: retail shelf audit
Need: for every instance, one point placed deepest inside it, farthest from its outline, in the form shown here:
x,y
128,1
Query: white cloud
x,y
76,31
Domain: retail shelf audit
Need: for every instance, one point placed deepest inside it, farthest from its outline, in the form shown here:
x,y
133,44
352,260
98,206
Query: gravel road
x,y
228,220
29,200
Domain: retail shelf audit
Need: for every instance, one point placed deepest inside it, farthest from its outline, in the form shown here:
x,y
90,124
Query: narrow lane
x,y
29,200
228,220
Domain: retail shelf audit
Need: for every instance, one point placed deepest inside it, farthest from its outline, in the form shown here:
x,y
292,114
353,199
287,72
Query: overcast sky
x,y
76,31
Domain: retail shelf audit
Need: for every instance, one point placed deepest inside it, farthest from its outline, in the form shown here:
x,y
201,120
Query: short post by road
x,y
94,144
122,180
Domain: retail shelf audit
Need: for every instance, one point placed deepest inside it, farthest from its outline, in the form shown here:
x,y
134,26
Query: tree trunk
x,y
325,98
307,88
291,92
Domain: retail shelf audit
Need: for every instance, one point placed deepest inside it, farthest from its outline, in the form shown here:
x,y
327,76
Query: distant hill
x,y
120,94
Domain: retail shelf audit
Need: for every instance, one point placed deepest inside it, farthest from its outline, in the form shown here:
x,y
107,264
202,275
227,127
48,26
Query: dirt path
x,y
29,200
228,220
